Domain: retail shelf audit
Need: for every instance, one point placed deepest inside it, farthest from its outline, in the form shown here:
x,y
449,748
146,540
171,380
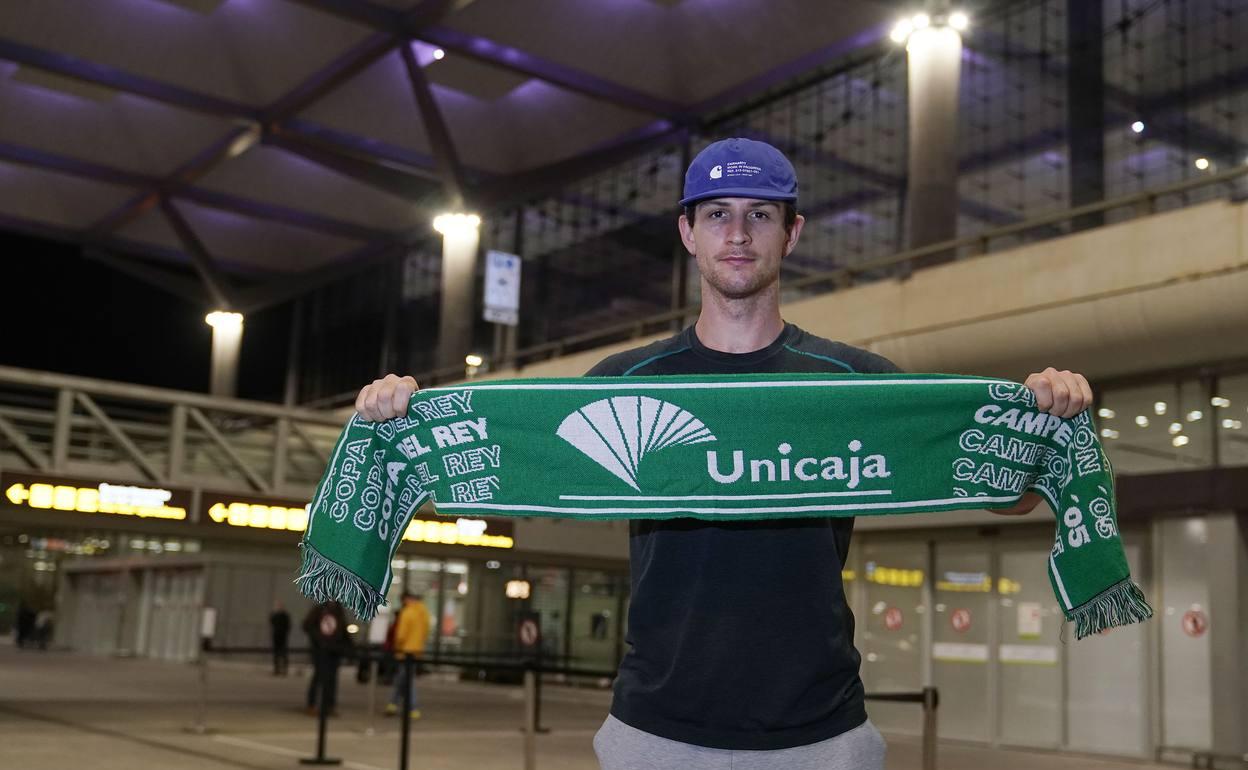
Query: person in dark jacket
x,y
279,623
326,627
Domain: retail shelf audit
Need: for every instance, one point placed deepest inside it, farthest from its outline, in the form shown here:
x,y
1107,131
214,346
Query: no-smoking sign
x,y
528,632
960,620
1195,623
892,619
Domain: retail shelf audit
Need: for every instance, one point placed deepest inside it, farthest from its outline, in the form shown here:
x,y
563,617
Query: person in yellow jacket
x,y
410,632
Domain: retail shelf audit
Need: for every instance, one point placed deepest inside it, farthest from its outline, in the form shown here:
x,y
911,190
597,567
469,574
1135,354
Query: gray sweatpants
x,y
623,747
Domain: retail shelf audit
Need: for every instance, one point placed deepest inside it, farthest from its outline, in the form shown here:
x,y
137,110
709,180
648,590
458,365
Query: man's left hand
x,y
1061,393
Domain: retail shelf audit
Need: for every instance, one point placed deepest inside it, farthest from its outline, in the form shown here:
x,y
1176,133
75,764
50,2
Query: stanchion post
x,y
406,724
931,700
530,718
374,670
322,727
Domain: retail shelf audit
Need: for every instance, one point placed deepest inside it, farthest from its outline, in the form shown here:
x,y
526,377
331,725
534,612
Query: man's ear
x,y
686,234
796,231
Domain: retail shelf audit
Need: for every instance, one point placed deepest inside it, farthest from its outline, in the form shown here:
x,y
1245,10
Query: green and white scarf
x,y
720,447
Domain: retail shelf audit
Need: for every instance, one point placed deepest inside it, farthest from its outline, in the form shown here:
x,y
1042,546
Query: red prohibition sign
x,y
1195,623
892,619
960,620
528,633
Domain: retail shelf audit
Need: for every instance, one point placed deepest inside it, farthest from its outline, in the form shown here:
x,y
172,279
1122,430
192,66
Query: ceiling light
x,y
456,224
1159,407
1141,421
1220,401
1232,424
1180,441
1202,163
1194,415
1176,427
472,359
1138,126
1109,433
901,31
959,21
921,21
438,54
223,319
1107,413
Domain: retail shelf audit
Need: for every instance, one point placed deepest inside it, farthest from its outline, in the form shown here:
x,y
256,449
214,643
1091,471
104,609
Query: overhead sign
x,y
256,513
291,515
60,494
502,288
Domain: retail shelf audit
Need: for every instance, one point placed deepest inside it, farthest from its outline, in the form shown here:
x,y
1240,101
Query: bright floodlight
x,y
222,319
901,31
449,224
472,359
1202,163
1138,126
959,21
438,54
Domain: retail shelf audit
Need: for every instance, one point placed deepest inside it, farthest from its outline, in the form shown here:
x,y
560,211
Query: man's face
x,y
738,243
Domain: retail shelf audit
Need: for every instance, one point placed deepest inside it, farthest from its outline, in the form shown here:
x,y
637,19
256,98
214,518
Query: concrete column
x,y
460,238
1085,107
227,341
935,62
1228,584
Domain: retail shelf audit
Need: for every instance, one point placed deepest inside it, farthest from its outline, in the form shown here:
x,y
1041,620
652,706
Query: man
x,y
279,625
410,631
740,637
326,627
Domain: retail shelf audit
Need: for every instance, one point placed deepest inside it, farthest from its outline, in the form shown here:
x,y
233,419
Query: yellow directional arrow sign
x,y
17,494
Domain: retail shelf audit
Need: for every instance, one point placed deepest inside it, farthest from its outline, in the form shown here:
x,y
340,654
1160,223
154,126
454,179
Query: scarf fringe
x,y
322,580
1120,605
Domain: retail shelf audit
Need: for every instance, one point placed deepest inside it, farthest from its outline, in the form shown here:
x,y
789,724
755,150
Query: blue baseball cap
x,y
740,168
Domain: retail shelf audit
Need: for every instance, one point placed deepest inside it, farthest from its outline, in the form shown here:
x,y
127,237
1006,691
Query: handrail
x,y
55,381
1144,201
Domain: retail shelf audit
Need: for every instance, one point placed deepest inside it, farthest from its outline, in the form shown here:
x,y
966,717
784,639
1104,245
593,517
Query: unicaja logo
x,y
717,172
618,433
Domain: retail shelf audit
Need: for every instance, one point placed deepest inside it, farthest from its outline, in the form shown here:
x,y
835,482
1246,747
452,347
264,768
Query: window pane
x,y
1157,428
1230,413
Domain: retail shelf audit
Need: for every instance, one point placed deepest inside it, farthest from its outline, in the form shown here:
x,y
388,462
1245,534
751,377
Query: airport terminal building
x,y
1092,215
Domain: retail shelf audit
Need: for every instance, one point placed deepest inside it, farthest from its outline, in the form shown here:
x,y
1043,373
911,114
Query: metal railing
x,y
78,426
978,244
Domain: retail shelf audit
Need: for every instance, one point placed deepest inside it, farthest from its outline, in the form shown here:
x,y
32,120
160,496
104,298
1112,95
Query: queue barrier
x,y
531,669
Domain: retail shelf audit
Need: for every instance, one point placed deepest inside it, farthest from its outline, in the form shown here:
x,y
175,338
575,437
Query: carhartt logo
x,y
717,172
618,432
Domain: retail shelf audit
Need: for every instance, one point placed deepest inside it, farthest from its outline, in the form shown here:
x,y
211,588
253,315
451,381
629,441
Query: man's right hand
x,y
386,398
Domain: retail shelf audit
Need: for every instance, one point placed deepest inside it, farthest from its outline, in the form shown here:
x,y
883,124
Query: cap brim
x,y
740,192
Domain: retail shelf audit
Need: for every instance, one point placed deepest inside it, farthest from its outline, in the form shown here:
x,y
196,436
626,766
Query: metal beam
x,y
118,80
177,285
380,176
521,62
255,299
202,260
531,185
786,73
354,61
439,136
40,159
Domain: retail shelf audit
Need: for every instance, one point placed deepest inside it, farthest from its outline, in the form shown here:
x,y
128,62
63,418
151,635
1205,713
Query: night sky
x,y
67,314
